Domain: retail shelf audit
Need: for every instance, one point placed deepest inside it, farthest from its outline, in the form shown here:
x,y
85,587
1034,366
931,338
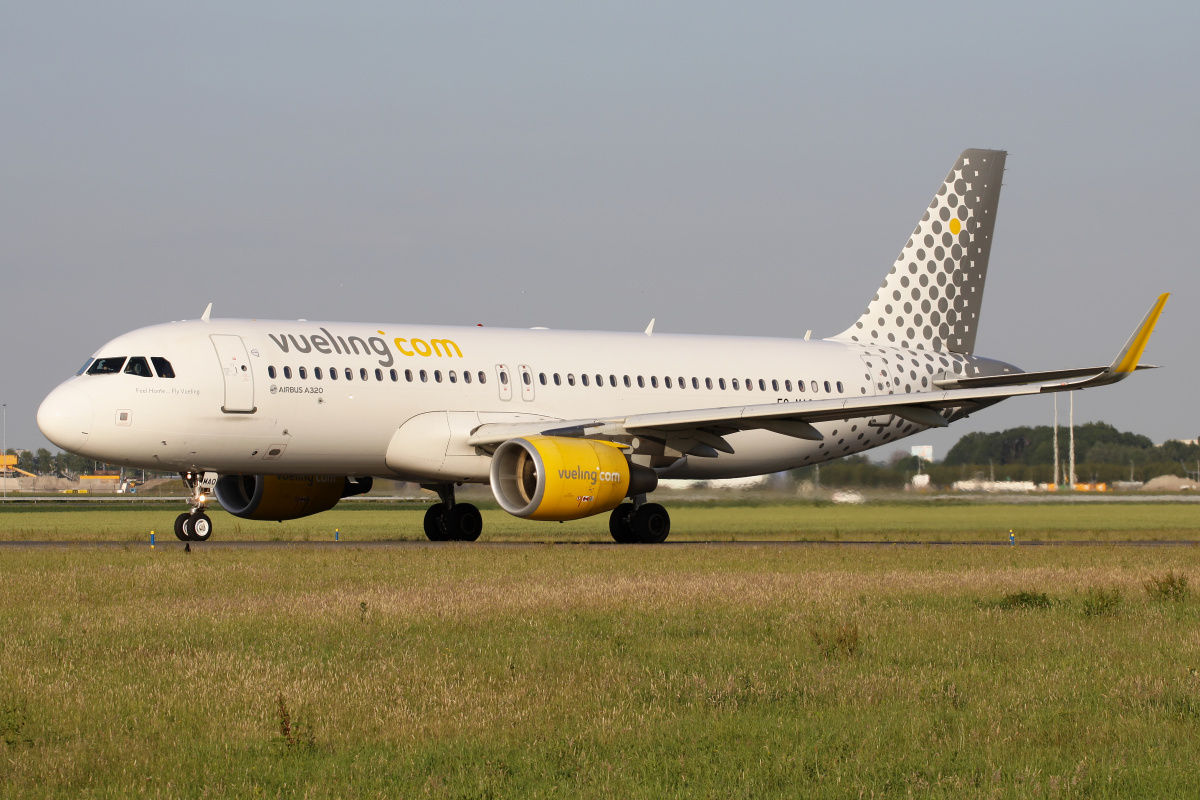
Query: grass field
x,y
552,671
920,521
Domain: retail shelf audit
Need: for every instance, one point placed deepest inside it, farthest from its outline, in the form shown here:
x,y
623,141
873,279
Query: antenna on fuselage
x,y
650,327
207,311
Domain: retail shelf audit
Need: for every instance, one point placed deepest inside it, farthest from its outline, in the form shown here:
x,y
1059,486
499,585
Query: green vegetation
x,y
708,671
932,521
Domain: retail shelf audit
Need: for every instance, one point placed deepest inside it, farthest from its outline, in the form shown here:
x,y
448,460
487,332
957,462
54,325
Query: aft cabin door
x,y
235,368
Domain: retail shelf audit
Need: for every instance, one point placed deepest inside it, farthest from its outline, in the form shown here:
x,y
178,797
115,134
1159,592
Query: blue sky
x,y
749,169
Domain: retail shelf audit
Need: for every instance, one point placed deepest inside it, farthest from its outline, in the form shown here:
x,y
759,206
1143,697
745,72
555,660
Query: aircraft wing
x,y
701,430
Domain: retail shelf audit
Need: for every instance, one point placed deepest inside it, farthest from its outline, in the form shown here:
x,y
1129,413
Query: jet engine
x,y
558,478
280,497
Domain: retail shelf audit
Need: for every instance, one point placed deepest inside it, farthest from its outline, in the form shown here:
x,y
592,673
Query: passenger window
x,y
814,386
749,384
827,389
762,385
787,385
466,376
612,381
287,373
453,376
839,386
482,377
271,372
667,381
303,373
584,378
503,378
599,380
333,373
395,376
162,367
682,383
317,373
570,379
628,384
378,374
735,384
774,385
542,378
696,383
106,366
721,383
800,385
641,382
138,366
437,375
557,380
83,369
424,376
349,374
654,381
708,383
362,373
526,379
408,375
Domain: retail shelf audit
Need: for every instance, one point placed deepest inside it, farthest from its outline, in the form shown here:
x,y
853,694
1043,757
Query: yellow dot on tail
x,y
955,226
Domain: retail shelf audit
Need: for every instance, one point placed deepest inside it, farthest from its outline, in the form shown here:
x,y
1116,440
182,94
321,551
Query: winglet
x,y
1127,360
207,311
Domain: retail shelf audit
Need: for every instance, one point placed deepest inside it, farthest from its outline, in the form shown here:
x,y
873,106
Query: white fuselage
x,y
253,413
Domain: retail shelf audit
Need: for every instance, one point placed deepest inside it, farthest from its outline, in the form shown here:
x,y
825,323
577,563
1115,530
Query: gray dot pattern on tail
x,y
932,295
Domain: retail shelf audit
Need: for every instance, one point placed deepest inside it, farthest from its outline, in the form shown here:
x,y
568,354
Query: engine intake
x,y
280,497
559,478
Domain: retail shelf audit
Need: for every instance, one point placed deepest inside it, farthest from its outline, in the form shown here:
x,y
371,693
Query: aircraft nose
x,y
65,417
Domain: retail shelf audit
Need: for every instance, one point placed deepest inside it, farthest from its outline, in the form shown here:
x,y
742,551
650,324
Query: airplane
x,y
283,419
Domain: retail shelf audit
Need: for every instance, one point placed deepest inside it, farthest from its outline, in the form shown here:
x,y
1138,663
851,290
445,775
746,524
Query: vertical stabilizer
x,y
932,296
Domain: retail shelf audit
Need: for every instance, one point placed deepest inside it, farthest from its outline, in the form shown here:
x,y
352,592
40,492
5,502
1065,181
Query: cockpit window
x,y
106,366
138,366
83,369
162,367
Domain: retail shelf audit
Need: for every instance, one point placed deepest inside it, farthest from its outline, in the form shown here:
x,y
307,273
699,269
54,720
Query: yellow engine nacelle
x,y
280,497
558,478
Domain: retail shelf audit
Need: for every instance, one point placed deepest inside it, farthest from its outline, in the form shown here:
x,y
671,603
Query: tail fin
x,y
931,298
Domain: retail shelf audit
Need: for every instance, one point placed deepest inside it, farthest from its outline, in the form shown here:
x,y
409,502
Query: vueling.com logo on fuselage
x,y
590,475
372,345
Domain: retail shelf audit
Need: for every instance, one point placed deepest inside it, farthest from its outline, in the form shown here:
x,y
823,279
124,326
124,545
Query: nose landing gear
x,y
195,526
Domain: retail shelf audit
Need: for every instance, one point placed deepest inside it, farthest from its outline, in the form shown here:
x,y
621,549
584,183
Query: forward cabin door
x,y
235,368
504,381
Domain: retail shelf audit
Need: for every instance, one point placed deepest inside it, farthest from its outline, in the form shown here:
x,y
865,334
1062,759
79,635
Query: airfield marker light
x,y
1012,540
337,534
151,540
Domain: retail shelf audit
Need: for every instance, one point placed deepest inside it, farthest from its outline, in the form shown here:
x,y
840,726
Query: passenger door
x,y
235,369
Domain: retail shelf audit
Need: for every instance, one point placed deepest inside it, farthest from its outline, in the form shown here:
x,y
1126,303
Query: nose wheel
x,y
195,527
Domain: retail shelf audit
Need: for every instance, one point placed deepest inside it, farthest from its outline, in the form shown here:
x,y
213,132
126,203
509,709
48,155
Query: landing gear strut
x,y
639,522
449,521
195,526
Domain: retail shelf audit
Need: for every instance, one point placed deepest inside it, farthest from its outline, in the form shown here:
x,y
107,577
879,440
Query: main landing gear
x,y
639,522
449,521
195,526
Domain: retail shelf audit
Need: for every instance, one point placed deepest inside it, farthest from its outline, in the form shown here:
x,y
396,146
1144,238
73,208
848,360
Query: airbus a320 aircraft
x,y
282,419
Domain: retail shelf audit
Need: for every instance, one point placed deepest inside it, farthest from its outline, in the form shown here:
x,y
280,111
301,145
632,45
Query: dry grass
x,y
578,671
